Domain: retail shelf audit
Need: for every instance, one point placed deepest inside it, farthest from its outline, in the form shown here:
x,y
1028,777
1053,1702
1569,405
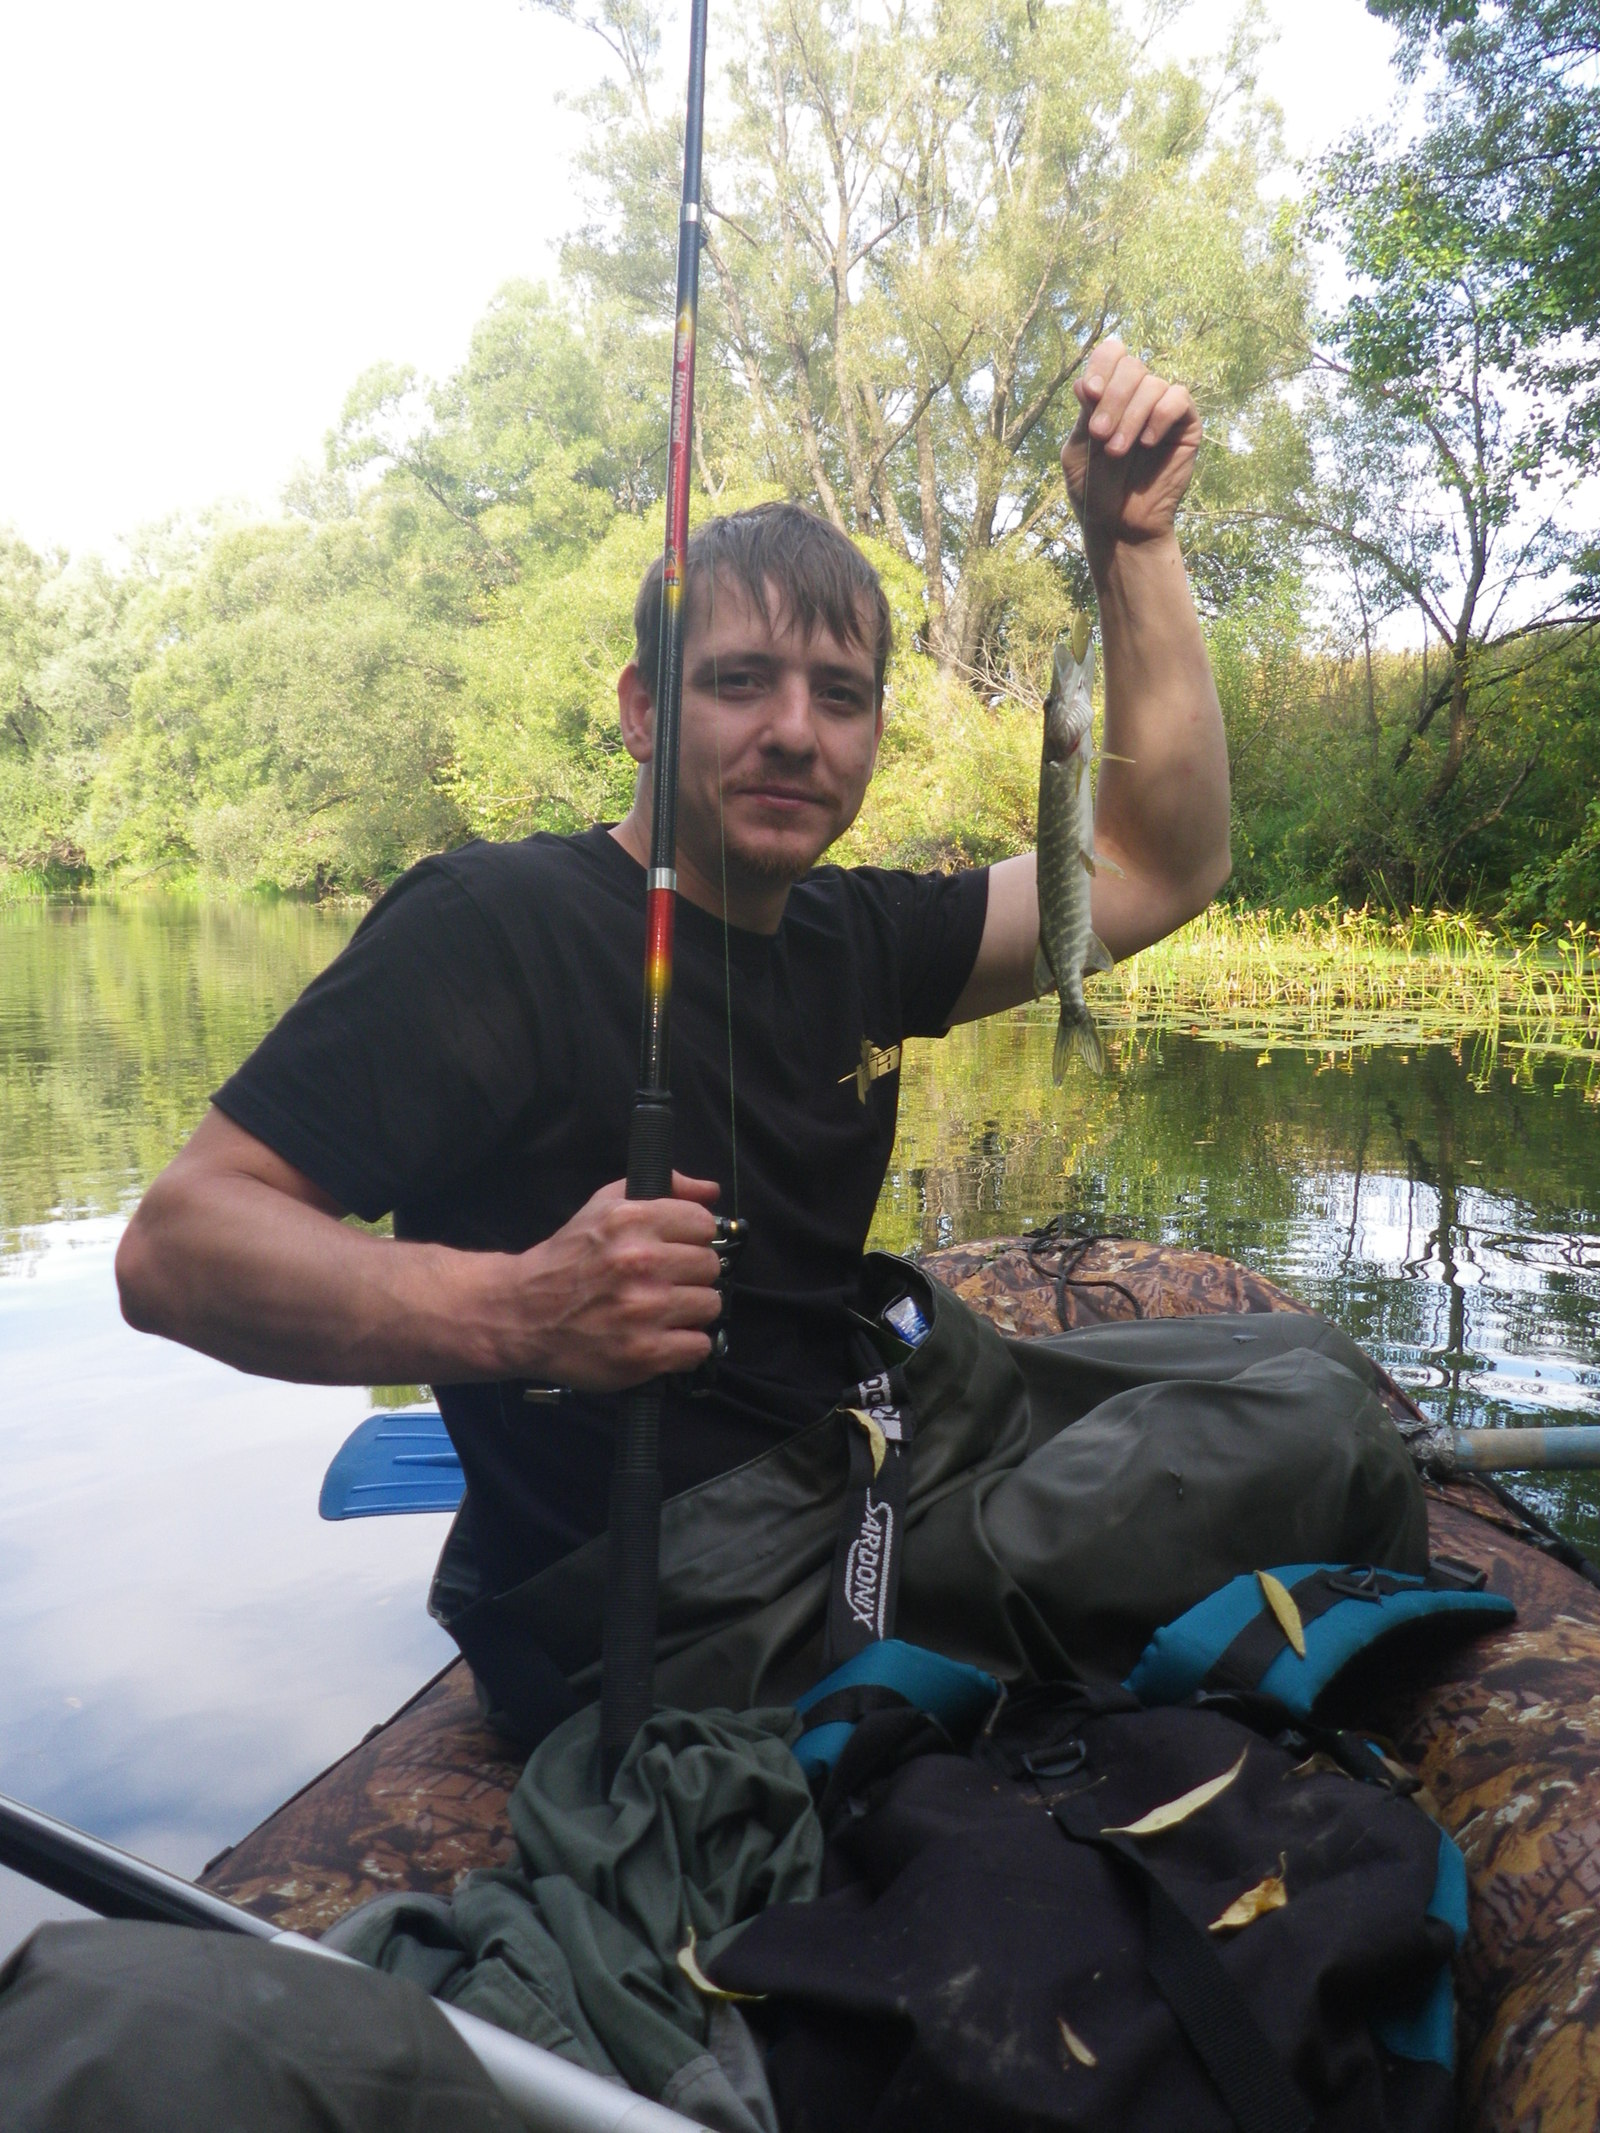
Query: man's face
x,y
787,726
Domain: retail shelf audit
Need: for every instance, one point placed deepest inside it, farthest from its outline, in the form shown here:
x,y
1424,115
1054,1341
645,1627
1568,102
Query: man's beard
x,y
760,862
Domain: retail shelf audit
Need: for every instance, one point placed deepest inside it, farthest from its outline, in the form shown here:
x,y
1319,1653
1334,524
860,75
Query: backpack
x,y
1209,1918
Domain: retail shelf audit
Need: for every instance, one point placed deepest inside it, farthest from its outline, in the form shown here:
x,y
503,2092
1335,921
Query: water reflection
x,y
115,1025
1439,1205
185,1643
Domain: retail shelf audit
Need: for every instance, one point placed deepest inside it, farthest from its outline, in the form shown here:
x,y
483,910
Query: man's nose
x,y
791,726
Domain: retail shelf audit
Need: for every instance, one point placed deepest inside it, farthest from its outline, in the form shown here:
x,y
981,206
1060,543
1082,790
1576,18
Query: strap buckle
x,y
1062,1761
1359,1584
1457,1575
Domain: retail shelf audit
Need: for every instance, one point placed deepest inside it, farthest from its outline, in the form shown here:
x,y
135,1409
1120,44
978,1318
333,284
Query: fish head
x,y
1069,707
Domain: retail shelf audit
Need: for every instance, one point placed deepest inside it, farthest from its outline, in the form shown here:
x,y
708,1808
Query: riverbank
x,y
1321,976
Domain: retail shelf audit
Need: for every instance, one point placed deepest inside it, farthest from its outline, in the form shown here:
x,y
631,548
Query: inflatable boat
x,y
1504,1732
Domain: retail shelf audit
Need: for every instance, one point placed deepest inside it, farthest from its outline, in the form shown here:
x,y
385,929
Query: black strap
x,y
1257,2088
1213,2014
1244,1663
865,1584
850,1706
1301,1736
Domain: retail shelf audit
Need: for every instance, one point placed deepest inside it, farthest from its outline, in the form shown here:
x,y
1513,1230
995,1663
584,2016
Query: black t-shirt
x,y
469,1063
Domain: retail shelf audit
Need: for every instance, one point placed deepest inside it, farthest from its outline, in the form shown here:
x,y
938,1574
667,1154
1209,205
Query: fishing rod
x,y
547,2094
633,1544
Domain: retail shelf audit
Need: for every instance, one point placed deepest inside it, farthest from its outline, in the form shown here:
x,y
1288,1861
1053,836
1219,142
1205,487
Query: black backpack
x,y
1215,1916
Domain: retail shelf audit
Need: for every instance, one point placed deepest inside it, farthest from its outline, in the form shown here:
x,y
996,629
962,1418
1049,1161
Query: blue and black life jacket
x,y
1231,1658
1230,1640
1234,1639
887,1676
1118,1918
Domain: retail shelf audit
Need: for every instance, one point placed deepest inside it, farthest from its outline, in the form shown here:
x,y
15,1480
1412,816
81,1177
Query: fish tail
x,y
1076,1035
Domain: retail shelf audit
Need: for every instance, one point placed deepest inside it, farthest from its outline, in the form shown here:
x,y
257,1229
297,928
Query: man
x,y
468,1061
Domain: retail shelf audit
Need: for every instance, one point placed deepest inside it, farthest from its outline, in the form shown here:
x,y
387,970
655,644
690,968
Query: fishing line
x,y
727,953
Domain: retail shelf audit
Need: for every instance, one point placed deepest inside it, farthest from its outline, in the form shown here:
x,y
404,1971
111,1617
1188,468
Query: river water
x,y
184,1642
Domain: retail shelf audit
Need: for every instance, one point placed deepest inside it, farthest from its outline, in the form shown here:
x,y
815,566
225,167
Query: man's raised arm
x,y
1161,806
235,1252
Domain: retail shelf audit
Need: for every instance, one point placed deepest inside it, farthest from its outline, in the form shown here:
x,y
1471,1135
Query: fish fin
x,y
1079,638
1044,977
1102,865
1096,955
1086,861
1076,1036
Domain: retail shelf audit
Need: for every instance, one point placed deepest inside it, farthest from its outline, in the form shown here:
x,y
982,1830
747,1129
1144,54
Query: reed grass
x,y
22,885
1330,976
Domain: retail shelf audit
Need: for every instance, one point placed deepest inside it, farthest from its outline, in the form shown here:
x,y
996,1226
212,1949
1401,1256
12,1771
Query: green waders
x,y
1063,1498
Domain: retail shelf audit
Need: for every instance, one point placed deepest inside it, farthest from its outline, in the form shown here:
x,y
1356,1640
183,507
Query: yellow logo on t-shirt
x,y
874,1064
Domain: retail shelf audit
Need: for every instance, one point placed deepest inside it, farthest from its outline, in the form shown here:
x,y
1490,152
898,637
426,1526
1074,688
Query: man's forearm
x,y
1161,814
245,1273
235,1252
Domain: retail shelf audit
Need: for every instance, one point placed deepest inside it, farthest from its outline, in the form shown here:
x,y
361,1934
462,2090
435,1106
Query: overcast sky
x,y
217,217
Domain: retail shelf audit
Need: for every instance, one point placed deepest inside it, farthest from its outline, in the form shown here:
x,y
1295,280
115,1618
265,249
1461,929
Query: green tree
x,y
23,730
416,652
1444,486
550,426
291,726
70,643
1517,116
919,221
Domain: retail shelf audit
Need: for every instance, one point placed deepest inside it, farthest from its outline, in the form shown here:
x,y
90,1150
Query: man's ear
x,y
636,713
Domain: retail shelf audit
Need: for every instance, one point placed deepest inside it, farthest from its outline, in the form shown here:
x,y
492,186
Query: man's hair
x,y
821,579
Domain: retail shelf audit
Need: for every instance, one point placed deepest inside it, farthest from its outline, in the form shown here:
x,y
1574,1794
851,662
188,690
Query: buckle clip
x,y
1060,1762
1360,1584
1456,1574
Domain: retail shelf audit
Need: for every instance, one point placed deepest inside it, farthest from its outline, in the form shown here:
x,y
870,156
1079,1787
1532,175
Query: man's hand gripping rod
x,y
634,1538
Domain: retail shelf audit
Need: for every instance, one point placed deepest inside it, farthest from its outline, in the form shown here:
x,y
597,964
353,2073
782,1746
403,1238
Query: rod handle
x,y
650,1146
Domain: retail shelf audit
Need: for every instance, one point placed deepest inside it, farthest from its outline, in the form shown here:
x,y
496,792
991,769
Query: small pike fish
x,y
1067,944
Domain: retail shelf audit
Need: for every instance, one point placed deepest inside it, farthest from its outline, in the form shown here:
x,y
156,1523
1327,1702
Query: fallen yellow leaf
x,y
1269,1895
1281,1600
875,1437
1319,1764
1075,2044
689,1964
1180,1809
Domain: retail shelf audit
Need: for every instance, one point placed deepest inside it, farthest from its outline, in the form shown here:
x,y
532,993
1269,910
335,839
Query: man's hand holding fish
x,y
1159,849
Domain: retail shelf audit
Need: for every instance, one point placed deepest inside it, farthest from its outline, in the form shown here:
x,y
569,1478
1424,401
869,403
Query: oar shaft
x,y
548,2094
113,1883
1510,1451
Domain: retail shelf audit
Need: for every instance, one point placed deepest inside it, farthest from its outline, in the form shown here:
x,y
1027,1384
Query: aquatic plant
x,y
30,885
1362,977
